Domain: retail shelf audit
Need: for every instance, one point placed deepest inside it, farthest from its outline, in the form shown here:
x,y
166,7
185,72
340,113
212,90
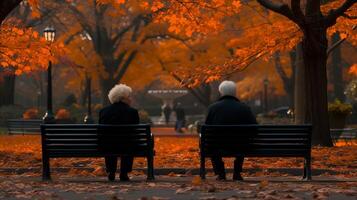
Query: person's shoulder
x,y
244,106
105,109
133,110
215,105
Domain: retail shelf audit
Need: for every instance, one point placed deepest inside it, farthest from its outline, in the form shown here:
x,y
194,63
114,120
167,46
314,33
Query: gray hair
x,y
119,92
227,88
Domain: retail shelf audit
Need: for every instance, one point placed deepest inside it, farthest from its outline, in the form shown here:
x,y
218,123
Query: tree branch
x,y
280,8
335,45
330,19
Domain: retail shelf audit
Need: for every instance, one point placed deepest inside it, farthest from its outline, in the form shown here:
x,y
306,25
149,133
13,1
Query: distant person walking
x,y
166,109
228,110
180,118
119,112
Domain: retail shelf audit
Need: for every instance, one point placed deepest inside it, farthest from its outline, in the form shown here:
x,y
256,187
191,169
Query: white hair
x,y
119,92
227,88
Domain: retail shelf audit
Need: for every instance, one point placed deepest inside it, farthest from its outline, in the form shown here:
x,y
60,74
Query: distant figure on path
x,y
228,110
166,109
119,112
180,118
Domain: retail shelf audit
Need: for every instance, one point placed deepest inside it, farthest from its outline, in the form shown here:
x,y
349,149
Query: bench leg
x,y
307,169
202,168
150,172
46,173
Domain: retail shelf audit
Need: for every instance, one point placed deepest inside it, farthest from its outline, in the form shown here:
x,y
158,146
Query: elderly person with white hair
x,y
119,112
228,110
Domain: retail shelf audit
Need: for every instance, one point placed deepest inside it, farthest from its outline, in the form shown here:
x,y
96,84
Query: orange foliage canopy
x,y
22,50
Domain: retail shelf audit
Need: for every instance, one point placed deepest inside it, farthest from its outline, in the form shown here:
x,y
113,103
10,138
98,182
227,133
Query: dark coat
x,y
180,113
118,113
228,110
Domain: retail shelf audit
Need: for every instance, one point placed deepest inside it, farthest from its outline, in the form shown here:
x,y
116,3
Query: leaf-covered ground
x,y
16,187
171,152
21,152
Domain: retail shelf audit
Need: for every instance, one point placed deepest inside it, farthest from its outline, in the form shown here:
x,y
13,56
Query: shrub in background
x,y
63,116
31,113
144,117
339,108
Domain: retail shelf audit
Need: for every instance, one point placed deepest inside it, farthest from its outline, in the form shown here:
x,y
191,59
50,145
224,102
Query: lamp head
x,y
49,33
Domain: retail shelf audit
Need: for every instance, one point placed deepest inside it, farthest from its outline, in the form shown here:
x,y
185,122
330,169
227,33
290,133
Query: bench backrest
x,y
95,140
250,140
22,126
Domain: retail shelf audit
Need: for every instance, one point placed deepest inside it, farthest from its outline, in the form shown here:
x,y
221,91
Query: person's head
x,y
121,93
227,88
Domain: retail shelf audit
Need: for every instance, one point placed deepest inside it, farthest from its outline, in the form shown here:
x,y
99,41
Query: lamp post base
x,y
49,118
88,119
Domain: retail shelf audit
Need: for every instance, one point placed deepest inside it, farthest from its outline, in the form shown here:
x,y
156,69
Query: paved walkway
x,y
170,131
172,187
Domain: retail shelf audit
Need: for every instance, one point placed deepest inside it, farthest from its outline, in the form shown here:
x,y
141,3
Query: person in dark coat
x,y
119,112
228,110
180,118
166,109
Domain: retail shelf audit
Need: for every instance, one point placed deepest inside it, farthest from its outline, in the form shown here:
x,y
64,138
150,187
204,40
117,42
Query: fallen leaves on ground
x,y
171,152
28,188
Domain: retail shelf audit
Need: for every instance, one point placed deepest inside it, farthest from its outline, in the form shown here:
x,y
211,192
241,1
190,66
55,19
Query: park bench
x,y
345,134
256,141
96,140
23,126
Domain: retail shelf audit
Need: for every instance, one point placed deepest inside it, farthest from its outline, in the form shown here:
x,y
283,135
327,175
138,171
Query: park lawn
x,y
172,152
3,130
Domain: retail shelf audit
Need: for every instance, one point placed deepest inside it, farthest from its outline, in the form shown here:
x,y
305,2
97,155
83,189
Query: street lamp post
x,y
50,34
266,82
88,119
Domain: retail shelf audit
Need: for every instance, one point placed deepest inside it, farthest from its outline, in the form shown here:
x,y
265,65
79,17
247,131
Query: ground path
x,y
171,187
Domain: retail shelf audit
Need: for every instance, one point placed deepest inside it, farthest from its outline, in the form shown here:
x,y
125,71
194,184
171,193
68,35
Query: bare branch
x,y
348,16
335,45
330,19
280,8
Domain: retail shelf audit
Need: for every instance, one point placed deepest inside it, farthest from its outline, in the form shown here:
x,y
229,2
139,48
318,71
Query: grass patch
x,y
3,131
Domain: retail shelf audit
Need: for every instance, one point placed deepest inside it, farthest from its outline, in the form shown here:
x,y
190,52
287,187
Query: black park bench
x,y
23,126
96,140
256,141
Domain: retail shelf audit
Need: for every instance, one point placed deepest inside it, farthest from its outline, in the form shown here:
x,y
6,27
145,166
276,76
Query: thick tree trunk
x,y
7,90
337,70
300,92
314,46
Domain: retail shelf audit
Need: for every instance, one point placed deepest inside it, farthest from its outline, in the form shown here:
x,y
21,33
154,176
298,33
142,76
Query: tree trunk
x,y
287,81
84,92
106,85
300,92
314,46
7,90
336,70
6,6
293,62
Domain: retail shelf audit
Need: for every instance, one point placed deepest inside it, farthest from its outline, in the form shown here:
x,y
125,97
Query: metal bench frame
x,y
91,140
256,141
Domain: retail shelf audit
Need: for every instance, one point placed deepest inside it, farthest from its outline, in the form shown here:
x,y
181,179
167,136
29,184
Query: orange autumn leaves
x,y
172,152
22,50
